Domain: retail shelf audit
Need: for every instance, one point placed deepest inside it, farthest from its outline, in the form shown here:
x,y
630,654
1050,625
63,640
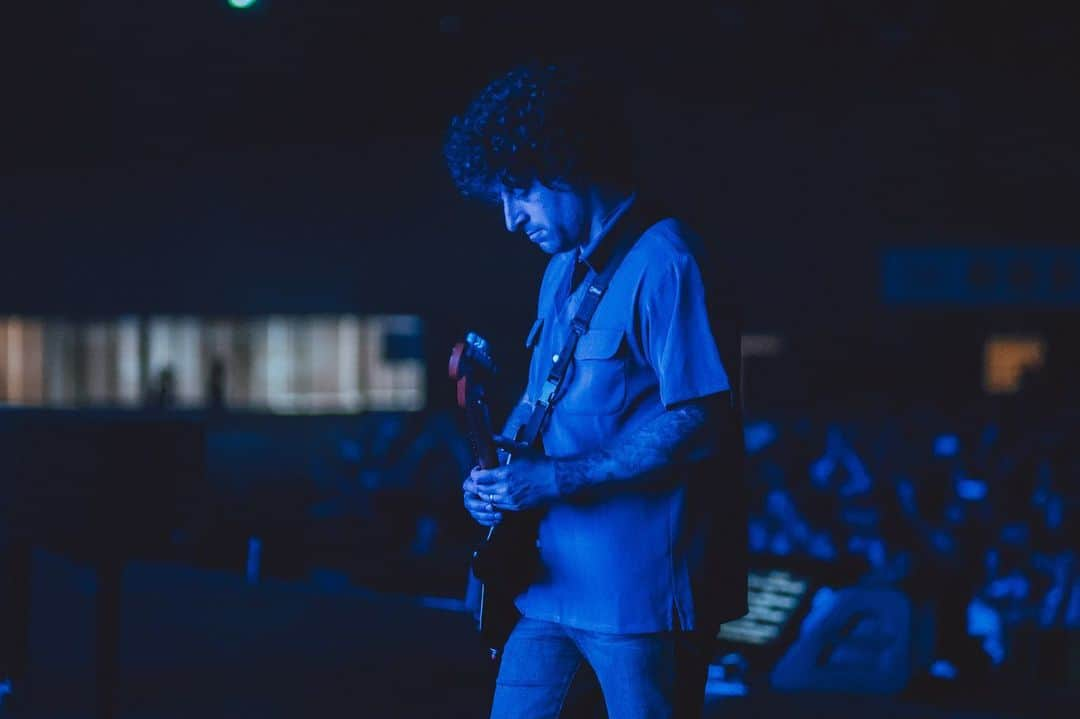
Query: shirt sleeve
x,y
676,335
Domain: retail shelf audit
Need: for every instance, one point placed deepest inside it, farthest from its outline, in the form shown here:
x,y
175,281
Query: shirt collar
x,y
589,249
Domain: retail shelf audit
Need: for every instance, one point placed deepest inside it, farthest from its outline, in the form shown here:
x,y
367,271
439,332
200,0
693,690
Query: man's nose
x,y
512,214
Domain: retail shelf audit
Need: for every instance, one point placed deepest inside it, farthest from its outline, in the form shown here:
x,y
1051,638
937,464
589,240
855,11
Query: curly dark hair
x,y
541,121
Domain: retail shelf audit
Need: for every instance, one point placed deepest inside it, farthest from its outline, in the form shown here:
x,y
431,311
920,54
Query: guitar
x,y
505,560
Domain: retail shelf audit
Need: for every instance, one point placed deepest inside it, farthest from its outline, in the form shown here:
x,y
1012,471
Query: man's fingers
x,y
480,478
477,502
482,511
509,444
481,504
488,520
486,478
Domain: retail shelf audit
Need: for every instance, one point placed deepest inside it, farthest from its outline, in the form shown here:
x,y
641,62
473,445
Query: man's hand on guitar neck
x,y
479,507
523,484
482,510
529,482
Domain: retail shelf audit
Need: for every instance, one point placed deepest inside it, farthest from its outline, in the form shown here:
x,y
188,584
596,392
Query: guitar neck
x,y
469,366
481,432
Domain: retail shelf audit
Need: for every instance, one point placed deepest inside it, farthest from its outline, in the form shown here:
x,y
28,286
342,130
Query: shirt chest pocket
x,y
597,381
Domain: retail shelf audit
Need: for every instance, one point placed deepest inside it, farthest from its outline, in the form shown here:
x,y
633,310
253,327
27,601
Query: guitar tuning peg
x,y
477,342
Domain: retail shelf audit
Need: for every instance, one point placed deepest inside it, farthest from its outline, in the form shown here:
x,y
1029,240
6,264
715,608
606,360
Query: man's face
x,y
555,219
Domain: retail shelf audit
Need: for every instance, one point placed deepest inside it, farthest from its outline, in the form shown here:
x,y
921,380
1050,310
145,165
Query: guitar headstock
x,y
470,368
479,347
470,365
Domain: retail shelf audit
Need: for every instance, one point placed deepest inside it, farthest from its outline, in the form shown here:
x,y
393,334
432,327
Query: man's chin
x,y
552,246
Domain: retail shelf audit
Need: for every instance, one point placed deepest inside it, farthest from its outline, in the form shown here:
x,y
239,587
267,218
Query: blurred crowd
x,y
973,517
972,514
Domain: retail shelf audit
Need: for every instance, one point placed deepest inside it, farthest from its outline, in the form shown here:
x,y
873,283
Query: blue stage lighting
x,y
971,489
242,4
946,445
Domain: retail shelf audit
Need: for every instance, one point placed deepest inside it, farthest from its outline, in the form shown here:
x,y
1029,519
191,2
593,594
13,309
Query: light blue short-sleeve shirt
x,y
623,558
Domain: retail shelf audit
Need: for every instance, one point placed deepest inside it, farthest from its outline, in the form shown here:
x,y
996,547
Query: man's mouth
x,y
535,235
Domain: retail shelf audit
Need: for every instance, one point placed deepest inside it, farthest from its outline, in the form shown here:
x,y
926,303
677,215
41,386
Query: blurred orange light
x,y
1006,358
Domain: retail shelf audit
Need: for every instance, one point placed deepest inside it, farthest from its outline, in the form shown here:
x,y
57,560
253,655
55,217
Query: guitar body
x,y
506,558
505,563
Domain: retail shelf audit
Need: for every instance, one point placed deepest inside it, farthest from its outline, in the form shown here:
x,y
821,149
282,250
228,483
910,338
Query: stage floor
x,y
201,643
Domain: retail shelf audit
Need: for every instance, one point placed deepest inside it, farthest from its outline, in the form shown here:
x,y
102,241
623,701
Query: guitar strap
x,y
628,229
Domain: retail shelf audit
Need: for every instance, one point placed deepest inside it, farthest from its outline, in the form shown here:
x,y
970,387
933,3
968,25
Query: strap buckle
x,y
547,392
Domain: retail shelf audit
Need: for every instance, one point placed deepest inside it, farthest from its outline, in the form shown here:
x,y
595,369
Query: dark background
x,y
190,157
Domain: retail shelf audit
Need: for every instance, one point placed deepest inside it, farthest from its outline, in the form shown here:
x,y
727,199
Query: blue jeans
x,y
651,676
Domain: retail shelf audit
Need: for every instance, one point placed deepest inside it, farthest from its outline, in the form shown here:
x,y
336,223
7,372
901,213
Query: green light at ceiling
x,y
242,4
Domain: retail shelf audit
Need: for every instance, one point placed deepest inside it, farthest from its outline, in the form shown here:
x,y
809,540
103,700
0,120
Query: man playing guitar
x,y
634,478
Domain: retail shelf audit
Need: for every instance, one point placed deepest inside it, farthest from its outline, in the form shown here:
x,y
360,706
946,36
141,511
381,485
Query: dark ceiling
x,y
186,156
94,82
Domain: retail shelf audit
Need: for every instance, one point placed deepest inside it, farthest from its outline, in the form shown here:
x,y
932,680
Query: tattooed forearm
x,y
655,445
